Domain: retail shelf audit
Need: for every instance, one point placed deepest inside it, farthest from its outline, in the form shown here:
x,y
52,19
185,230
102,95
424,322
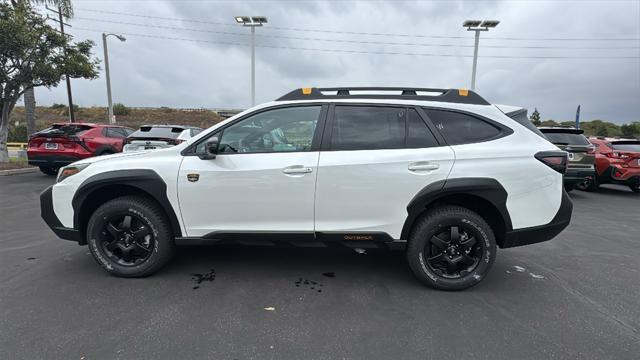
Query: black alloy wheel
x,y
126,239
454,251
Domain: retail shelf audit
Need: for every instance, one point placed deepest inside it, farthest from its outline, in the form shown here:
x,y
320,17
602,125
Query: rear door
x,y
374,160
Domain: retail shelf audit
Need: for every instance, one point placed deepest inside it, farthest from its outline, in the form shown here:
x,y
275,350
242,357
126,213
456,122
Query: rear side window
x,y
116,133
368,128
458,128
566,138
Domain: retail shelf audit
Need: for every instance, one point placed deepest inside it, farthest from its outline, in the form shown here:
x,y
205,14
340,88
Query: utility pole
x,y
111,118
252,22
72,117
477,26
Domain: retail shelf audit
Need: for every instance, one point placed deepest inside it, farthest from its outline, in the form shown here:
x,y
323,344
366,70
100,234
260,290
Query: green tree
x,y
66,9
535,117
32,54
631,130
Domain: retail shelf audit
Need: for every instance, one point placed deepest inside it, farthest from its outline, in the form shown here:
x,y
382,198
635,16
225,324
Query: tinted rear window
x,y
566,138
458,128
68,130
626,146
157,132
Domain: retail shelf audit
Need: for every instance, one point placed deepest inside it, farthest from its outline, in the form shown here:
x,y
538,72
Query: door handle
x,y
297,170
423,166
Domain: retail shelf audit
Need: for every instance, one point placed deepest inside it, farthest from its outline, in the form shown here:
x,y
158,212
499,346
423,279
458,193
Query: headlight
x,y
70,170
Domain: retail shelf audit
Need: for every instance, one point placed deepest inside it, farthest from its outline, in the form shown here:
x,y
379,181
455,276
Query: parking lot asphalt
x,y
577,296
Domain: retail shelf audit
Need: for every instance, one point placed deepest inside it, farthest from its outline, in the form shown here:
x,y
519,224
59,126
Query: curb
x,y
18,171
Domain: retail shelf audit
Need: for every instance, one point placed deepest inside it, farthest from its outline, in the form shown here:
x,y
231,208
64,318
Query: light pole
x,y
477,26
111,119
252,22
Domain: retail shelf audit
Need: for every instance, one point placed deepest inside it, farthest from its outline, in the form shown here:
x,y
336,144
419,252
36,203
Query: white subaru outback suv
x,y
441,173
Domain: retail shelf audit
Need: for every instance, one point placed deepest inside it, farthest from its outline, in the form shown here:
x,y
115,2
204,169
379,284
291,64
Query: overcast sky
x,y
215,71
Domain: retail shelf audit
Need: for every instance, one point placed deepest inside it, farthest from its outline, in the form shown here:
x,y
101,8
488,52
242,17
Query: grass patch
x,y
15,163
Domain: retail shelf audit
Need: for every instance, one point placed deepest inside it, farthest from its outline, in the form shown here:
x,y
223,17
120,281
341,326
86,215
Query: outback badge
x,y
193,177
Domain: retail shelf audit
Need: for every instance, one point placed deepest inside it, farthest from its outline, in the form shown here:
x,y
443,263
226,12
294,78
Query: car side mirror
x,y
210,149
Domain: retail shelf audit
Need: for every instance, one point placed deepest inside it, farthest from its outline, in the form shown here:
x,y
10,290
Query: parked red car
x,y
61,144
617,162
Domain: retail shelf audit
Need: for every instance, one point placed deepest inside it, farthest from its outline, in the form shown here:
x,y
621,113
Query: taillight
x,y
557,160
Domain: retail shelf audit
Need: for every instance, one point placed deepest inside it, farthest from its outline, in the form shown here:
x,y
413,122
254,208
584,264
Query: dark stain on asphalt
x,y
329,274
310,284
31,258
200,278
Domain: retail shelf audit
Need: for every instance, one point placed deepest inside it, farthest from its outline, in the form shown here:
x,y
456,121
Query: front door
x,y
262,180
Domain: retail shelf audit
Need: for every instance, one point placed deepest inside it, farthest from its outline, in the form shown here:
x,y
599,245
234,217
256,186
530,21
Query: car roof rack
x,y
461,96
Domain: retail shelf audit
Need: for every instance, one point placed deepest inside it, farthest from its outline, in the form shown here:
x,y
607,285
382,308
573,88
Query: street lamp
x,y
111,119
252,22
477,26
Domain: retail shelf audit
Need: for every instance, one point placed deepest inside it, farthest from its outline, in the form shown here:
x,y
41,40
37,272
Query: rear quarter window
x,y
459,128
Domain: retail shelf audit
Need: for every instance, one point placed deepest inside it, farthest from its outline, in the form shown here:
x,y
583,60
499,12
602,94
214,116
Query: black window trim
x,y
328,127
315,142
504,130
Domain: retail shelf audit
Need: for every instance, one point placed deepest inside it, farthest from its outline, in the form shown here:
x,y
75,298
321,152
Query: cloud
x,y
162,72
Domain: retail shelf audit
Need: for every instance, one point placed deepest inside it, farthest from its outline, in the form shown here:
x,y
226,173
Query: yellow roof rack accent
x,y
306,91
463,92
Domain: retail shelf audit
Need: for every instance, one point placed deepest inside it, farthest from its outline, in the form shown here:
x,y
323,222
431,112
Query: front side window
x,y
278,130
368,128
458,128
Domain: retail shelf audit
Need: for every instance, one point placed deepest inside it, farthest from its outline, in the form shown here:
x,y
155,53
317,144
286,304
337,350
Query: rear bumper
x,y
621,175
574,176
52,160
49,217
545,232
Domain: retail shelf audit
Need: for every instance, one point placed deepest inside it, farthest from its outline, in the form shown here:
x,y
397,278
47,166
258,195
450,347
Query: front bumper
x,y
545,232
49,217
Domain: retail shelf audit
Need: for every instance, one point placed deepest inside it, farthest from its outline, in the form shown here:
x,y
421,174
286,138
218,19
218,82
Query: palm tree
x,y
66,8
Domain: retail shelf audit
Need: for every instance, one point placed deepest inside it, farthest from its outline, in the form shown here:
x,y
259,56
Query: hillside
x,y
45,116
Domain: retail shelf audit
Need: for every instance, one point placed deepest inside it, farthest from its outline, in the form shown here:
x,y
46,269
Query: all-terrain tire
x,y
431,224
147,214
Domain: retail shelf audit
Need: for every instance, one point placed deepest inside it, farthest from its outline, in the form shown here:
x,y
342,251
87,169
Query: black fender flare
x,y
485,188
147,181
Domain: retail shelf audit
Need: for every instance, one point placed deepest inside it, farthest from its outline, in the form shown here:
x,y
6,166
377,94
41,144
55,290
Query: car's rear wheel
x,y
451,248
635,188
51,171
130,237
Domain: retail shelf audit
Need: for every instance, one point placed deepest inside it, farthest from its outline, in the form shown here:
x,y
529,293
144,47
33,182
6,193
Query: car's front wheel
x,y
451,248
130,237
49,170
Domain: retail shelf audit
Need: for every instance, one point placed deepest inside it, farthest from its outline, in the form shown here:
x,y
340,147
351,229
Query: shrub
x,y
17,134
58,106
120,109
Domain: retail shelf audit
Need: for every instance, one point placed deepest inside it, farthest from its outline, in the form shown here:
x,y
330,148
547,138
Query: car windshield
x,y
165,132
626,146
566,138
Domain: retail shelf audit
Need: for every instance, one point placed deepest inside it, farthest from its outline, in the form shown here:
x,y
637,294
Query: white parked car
x,y
443,174
153,137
